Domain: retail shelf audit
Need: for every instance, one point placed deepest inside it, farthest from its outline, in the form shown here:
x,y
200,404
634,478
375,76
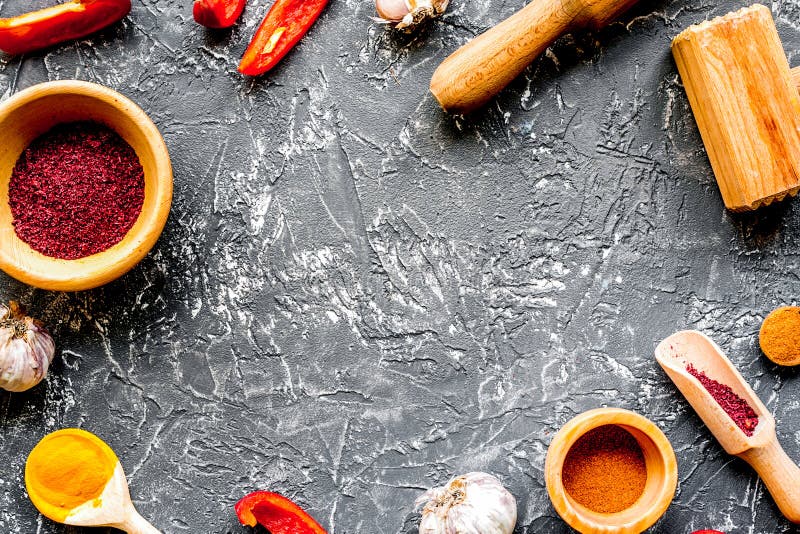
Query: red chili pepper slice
x,y
217,13
52,25
285,24
276,513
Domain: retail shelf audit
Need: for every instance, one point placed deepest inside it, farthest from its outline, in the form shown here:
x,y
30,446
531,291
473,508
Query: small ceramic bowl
x,y
30,113
659,490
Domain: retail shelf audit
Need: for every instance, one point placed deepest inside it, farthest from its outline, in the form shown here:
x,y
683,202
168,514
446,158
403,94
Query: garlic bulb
x,y
26,349
475,503
404,14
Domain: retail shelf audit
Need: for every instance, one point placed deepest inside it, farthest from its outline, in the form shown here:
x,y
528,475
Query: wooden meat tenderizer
x,y
746,103
480,69
761,450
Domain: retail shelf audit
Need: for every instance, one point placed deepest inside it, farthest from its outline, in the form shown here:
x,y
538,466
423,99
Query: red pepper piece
x,y
285,24
217,13
52,25
276,513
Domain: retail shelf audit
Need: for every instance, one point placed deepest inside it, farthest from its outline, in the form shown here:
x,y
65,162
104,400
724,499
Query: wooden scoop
x,y
761,450
111,508
480,69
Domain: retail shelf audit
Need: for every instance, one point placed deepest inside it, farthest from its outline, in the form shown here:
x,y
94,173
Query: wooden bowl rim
x,y
564,440
110,264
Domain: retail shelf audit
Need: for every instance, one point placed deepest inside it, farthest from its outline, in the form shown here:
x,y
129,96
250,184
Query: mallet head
x,y
747,108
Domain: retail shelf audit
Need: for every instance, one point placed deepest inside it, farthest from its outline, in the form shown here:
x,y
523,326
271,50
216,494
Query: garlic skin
x,y
474,503
26,349
405,14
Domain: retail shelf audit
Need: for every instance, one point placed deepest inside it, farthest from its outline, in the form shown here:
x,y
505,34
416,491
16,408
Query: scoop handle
x,y
780,474
480,69
136,524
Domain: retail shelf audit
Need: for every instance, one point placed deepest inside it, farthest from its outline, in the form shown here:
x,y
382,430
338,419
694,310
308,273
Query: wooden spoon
x,y
761,450
112,508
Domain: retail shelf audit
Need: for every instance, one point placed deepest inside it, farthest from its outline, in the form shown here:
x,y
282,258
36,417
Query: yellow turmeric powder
x,y
66,469
780,336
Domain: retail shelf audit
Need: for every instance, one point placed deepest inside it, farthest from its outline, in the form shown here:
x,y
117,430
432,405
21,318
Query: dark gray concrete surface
x,y
357,297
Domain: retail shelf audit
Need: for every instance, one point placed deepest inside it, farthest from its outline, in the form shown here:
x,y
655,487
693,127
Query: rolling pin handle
x,y
796,77
480,69
474,73
780,474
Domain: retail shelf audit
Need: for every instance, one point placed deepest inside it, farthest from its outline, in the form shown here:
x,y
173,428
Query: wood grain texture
x,y
761,450
779,473
115,510
34,111
477,71
746,105
662,474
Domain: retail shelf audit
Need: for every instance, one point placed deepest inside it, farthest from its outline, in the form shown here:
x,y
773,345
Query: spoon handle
x,y
136,524
780,474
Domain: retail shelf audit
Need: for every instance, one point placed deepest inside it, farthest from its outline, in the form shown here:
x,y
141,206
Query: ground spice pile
x,y
67,469
736,407
76,191
780,336
605,470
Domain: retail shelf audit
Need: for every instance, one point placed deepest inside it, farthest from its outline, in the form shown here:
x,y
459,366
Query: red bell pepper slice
x,y
62,22
217,13
276,513
285,24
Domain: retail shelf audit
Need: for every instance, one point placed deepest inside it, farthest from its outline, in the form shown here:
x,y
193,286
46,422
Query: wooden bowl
x,y
30,113
659,490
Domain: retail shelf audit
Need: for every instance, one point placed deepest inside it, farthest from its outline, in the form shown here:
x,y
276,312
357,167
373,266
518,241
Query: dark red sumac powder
x,y
76,190
736,407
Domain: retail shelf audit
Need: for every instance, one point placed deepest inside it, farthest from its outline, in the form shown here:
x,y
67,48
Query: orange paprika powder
x,y
780,336
67,469
605,470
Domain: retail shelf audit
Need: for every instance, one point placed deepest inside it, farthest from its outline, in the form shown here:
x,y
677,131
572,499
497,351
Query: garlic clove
x,y
26,349
406,14
474,503
392,10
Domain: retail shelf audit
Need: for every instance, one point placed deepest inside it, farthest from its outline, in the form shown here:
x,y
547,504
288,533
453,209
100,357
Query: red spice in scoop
x,y
76,190
736,407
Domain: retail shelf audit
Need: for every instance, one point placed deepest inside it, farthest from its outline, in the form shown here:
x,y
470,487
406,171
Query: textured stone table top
x,y
357,297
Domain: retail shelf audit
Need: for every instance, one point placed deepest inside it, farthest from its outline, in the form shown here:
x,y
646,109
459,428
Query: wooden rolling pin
x,y
744,97
480,69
